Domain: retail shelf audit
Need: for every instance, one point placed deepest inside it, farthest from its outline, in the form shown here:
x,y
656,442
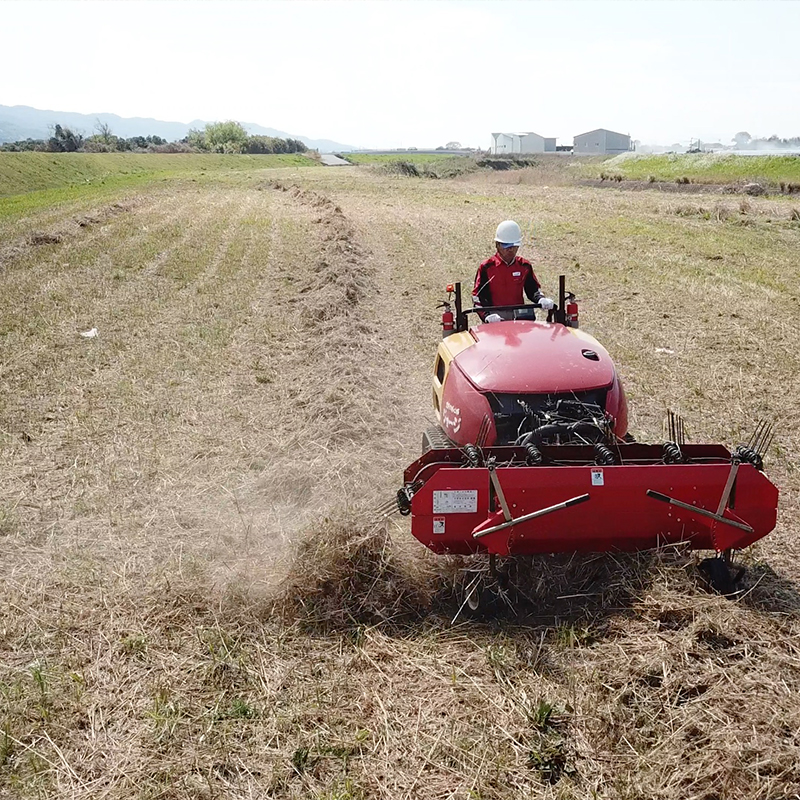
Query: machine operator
x,y
502,279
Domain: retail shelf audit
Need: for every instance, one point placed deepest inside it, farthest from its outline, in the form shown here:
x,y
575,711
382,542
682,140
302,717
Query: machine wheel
x,y
472,596
473,602
719,575
486,592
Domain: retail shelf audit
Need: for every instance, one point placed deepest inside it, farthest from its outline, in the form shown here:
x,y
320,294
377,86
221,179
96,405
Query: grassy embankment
x,y
703,168
34,180
239,401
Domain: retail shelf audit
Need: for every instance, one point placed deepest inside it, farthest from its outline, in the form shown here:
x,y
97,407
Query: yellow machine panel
x,y
448,349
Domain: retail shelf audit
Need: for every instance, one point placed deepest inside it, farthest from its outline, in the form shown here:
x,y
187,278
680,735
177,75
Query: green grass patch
x,y
21,173
702,168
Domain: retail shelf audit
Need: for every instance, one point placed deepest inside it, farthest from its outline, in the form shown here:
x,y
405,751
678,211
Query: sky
x,y
415,73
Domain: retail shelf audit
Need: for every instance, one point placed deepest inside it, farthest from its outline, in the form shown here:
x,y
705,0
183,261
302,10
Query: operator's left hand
x,y
545,303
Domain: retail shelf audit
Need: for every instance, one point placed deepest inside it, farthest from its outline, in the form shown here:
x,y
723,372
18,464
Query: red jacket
x,y
501,284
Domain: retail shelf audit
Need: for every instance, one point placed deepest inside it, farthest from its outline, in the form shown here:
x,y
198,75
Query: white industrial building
x,y
601,141
505,143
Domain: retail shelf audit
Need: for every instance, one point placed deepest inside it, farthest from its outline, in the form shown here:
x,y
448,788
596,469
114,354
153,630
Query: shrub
x,y
225,137
171,147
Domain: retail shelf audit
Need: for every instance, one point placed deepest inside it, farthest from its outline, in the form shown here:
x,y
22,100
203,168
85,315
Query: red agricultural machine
x,y
532,454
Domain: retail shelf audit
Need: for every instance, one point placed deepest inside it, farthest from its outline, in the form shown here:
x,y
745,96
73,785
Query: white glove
x,y
493,318
546,303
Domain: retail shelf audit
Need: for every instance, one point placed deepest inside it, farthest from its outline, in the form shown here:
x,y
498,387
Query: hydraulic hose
x,y
584,430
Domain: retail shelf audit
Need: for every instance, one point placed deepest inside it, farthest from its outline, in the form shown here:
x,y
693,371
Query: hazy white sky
x,y
382,73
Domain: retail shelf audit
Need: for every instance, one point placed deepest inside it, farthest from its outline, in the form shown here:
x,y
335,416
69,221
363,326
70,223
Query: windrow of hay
x,y
341,275
14,247
441,168
332,371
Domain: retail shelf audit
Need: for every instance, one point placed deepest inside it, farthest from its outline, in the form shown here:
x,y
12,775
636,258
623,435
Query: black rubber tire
x,y
719,577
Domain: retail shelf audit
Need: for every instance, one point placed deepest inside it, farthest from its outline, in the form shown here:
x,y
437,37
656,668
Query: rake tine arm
x,y
697,510
573,501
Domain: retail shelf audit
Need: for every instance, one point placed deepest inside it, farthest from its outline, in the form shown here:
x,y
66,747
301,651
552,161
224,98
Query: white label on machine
x,y
455,501
597,477
438,524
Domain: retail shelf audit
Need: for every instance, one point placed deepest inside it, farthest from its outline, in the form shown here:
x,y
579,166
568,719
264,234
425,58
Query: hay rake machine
x,y
532,455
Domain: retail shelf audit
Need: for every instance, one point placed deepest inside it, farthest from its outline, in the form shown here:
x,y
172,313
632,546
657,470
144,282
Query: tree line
x,y
216,137
743,141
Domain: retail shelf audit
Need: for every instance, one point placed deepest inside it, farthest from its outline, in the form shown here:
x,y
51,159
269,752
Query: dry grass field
x,y
197,600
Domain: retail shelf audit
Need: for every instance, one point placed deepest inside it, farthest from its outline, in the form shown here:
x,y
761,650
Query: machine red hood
x,y
524,357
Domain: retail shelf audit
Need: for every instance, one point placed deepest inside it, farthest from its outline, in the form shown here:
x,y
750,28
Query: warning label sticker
x,y
438,524
455,501
597,477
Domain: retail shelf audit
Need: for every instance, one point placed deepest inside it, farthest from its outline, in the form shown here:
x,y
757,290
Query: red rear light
x,y
449,287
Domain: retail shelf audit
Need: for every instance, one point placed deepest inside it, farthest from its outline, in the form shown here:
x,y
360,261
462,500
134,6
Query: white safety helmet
x,y
508,233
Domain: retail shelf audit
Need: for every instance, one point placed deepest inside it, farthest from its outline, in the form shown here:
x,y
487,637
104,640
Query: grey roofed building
x,y
601,141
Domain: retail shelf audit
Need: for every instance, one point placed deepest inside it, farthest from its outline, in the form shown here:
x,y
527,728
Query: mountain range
x,y
24,122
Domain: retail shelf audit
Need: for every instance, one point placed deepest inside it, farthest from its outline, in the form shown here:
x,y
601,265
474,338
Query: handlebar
x,y
552,313
495,309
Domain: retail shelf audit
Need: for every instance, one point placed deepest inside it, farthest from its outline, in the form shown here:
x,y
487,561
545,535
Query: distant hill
x,y
24,122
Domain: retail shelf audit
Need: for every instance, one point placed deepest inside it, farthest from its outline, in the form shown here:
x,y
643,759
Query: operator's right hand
x,y
493,318
545,303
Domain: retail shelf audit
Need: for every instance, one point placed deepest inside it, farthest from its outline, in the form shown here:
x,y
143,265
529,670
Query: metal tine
x,y
753,441
767,433
768,444
676,428
387,509
767,438
758,435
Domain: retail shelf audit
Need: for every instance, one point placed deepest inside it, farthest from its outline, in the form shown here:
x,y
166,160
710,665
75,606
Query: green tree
x,y
226,137
742,139
104,134
196,138
64,140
